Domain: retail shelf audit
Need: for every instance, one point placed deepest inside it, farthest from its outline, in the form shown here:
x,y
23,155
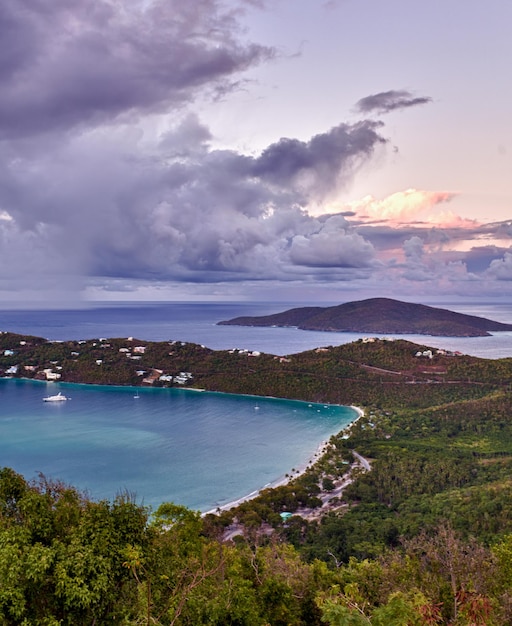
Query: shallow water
x,y
198,449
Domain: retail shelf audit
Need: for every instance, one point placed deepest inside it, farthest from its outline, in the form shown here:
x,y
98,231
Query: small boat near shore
x,y
60,397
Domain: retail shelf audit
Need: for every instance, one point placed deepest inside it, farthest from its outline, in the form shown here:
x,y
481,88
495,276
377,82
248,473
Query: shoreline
x,y
286,478
283,476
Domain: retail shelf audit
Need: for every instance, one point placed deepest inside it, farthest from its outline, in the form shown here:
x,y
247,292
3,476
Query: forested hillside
x,y
424,537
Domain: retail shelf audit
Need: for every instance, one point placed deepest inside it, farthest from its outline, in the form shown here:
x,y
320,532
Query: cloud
x,y
413,249
402,206
478,259
114,204
107,174
323,163
501,269
66,64
332,246
387,101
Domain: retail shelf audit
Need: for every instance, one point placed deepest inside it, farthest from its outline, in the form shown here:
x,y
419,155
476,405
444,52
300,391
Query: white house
x,y
52,376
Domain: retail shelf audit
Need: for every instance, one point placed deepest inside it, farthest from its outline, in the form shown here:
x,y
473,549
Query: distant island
x,y
378,315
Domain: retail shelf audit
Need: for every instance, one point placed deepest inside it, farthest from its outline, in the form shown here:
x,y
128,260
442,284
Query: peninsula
x,y
379,315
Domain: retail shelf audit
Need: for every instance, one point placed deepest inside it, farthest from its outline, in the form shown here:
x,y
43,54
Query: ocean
x,y
197,322
201,450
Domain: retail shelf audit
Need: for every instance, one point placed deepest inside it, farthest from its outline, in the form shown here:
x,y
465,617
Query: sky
x,y
321,150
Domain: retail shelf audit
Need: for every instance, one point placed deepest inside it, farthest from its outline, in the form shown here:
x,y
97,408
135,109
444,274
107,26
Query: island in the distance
x,y
379,315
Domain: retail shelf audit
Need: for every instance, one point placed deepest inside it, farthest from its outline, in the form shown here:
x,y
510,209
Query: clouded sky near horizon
x,y
264,149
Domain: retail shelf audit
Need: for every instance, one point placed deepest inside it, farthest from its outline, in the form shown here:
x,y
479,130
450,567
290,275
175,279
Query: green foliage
x,y
60,553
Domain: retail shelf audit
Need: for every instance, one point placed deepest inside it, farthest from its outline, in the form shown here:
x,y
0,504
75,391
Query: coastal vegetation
x,y
424,537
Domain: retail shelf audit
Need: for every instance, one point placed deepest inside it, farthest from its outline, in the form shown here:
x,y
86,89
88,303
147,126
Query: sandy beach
x,y
285,479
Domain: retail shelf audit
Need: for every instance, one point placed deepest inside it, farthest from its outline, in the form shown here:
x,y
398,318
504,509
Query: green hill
x,y
379,315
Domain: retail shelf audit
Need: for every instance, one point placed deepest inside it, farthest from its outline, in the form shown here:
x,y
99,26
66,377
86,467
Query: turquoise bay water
x,y
198,449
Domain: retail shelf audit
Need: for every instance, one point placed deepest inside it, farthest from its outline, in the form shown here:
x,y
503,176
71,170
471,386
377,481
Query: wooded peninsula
x,y
424,537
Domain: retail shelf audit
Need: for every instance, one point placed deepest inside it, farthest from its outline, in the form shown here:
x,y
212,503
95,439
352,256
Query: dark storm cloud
x,y
183,211
326,157
66,63
387,101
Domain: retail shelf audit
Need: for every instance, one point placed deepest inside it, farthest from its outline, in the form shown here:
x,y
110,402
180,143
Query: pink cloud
x,y
448,219
402,206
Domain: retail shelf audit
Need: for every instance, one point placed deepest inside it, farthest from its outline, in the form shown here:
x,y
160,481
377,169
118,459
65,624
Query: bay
x,y
198,449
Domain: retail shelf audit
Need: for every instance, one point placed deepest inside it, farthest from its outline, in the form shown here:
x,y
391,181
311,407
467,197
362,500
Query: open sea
x,y
201,450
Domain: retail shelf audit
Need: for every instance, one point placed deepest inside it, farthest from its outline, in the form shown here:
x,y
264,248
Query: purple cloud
x,y
501,269
64,64
322,162
387,101
183,211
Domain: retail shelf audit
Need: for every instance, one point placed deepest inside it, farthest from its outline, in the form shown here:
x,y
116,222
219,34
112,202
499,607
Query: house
x,y
139,349
53,375
12,370
182,378
8,352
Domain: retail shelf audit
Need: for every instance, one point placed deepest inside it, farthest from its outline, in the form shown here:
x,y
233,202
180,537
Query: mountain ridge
x,y
378,315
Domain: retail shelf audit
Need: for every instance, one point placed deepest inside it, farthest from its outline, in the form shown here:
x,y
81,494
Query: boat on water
x,y
60,397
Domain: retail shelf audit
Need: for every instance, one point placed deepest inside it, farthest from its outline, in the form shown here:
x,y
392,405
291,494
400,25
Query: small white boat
x,y
57,398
